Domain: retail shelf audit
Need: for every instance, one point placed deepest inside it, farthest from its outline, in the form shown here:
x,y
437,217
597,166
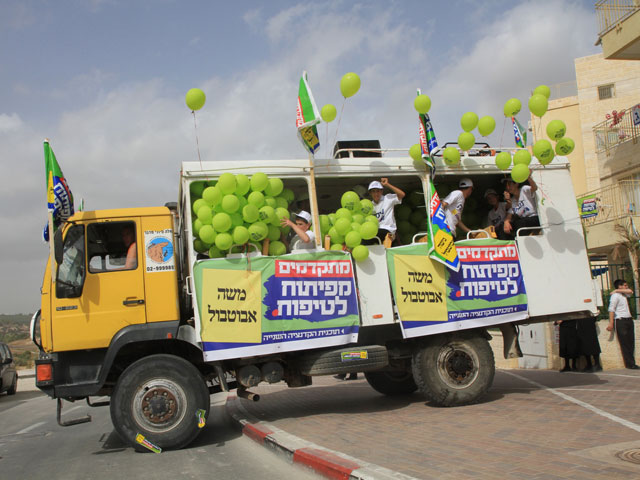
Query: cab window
x,y
112,246
71,271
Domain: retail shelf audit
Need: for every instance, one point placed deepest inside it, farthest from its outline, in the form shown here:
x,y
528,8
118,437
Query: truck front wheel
x,y
454,369
161,398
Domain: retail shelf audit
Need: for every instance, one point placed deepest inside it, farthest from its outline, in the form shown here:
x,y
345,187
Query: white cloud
x,y
9,123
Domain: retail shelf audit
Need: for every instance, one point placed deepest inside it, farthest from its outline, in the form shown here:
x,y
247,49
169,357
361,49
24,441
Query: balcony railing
x,y
611,12
617,128
614,202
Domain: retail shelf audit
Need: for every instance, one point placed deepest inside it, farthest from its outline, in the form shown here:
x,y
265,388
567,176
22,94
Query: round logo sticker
x,y
160,250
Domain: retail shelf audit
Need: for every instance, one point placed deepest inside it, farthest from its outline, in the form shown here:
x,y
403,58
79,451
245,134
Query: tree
x,y
629,246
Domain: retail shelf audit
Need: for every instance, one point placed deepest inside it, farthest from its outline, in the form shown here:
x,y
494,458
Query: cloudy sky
x,y
105,81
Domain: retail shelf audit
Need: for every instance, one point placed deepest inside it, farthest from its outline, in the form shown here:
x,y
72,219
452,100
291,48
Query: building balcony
x,y
616,129
619,26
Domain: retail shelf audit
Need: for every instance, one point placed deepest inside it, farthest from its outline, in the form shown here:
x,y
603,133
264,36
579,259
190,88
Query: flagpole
x,y
313,201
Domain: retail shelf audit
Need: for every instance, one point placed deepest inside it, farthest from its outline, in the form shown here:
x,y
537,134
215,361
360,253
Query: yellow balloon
x,y
195,99
350,84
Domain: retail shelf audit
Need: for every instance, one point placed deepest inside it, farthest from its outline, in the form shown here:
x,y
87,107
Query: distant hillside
x,y
14,327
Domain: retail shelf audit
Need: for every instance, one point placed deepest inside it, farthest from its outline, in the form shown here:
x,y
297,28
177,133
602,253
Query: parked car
x,y
8,374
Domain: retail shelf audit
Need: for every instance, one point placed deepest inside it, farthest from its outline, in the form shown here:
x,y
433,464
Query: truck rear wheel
x,y
159,397
454,369
393,382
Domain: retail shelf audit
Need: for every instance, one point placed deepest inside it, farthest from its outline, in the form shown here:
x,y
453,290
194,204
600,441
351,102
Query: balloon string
x,y
504,123
195,128
327,137
339,120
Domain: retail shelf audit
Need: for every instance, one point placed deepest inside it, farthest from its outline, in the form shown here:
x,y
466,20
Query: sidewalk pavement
x,y
533,424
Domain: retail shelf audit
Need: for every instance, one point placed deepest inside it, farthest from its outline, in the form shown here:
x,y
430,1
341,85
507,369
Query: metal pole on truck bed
x,y
313,201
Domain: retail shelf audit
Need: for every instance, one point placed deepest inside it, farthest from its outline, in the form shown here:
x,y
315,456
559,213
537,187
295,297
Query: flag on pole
x,y
441,243
428,142
519,133
307,117
59,196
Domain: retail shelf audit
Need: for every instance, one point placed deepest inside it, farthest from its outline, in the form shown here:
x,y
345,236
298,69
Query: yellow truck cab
x,y
142,309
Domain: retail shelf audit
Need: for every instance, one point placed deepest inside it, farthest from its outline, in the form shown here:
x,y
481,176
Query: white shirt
x,y
525,206
383,210
299,244
619,305
497,215
454,208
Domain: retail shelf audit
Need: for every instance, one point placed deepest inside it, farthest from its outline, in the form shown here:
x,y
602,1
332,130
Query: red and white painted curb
x,y
323,461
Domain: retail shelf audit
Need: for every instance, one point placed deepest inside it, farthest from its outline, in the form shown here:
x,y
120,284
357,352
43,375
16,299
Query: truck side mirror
x,y
57,246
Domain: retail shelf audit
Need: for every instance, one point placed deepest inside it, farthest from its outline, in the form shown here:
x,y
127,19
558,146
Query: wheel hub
x,y
158,405
457,365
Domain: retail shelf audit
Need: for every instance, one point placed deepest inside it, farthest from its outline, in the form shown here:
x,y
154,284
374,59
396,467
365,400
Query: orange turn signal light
x,y
44,372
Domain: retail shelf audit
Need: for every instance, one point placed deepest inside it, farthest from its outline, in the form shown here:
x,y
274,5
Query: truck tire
x,y
392,382
159,397
454,369
14,386
332,362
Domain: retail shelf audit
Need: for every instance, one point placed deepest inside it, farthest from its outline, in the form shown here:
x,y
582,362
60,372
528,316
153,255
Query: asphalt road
x,y
34,446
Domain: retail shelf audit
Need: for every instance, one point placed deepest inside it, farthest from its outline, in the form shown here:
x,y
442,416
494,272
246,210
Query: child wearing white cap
x,y
453,205
304,238
383,206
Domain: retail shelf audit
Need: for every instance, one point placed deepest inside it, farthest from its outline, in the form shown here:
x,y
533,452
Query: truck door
x,y
100,284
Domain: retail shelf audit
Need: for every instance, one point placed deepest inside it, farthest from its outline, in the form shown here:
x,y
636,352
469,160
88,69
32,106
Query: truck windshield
x,y
71,271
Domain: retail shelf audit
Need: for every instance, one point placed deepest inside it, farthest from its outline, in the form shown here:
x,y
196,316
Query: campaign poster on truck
x,y
488,289
260,305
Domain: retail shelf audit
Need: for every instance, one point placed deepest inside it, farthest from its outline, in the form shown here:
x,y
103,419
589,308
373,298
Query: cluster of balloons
x,y
195,99
468,122
521,160
236,210
350,225
349,86
411,216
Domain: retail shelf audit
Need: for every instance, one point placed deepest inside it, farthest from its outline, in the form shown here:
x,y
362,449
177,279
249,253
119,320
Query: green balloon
x,y
328,113
357,218
335,236
240,235
422,104
230,203
266,214
565,146
466,140
197,204
207,234
274,232
405,227
520,173
355,227
542,90
366,206
199,246
503,160
224,241
522,157
351,201
469,121
451,156
543,151
325,224
221,222
344,213
256,199
214,252
196,188
415,152
288,195
556,129
512,107
197,225
274,187
258,231
259,181
349,84
538,105
271,202
236,219
402,212
195,99
227,183
250,213
277,248
336,246
243,184
212,195
418,217
342,225
332,218
372,219
486,125
352,239
284,213
368,230
281,202
205,214
360,253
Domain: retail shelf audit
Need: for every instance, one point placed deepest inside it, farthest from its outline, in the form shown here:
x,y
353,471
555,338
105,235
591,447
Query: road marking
x,y
618,375
32,427
569,398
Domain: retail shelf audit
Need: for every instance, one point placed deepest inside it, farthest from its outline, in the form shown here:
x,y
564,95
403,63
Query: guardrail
x,y
611,12
617,128
614,202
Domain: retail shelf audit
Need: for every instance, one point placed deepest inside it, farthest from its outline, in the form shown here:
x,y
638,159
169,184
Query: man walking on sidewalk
x,y
620,320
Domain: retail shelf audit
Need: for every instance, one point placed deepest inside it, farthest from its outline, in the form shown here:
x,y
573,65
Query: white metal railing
x,y
614,202
612,12
617,128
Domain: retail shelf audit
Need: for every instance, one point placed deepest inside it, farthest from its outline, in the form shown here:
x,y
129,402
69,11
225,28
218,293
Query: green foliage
x,y
23,359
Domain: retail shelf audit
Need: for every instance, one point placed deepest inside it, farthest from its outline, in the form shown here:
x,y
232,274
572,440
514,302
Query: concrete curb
x,y
295,450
